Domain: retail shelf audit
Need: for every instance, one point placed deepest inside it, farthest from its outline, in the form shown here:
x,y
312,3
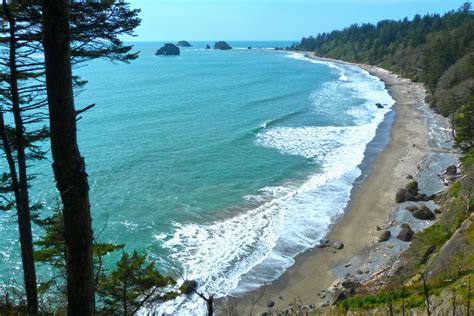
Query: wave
x,y
281,119
300,56
241,253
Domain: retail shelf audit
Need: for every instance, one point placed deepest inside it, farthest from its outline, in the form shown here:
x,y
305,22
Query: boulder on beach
x,y
400,197
406,234
222,45
411,208
412,187
424,213
384,236
338,245
183,44
350,284
337,296
323,243
409,177
168,50
451,170
422,197
270,304
188,286
379,105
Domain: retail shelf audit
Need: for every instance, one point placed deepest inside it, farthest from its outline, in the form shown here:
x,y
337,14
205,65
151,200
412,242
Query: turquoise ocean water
x,y
222,164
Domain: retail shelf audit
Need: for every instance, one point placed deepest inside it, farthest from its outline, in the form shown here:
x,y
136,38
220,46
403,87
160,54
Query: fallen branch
x,y
385,226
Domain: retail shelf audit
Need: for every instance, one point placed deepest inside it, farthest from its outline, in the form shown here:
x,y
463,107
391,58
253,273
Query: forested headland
x,y
437,50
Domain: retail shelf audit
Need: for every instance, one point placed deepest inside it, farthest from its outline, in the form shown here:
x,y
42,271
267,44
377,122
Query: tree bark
x,y
21,182
68,164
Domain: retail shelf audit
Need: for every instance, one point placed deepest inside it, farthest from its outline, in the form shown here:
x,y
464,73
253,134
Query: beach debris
x,y
335,284
385,226
270,303
338,245
337,296
390,270
452,179
384,236
406,234
424,213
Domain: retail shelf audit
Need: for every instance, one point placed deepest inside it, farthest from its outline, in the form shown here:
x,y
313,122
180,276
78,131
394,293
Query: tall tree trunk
x,y
21,192
68,164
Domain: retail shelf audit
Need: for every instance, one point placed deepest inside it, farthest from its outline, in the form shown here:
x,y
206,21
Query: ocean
x,y
221,165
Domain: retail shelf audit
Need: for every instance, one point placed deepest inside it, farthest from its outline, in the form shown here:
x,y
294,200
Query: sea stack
x,y
183,44
168,50
222,45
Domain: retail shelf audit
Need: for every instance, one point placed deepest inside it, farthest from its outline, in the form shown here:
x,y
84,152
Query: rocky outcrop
x,y
384,236
424,213
406,234
411,208
222,45
379,105
183,44
168,50
208,47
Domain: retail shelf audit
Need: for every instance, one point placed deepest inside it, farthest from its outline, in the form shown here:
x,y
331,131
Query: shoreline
x,y
372,203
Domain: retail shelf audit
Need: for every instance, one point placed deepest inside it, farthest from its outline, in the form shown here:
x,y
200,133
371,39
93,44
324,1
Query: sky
x,y
233,20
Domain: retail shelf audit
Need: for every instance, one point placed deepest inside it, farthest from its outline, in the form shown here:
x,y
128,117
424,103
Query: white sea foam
x,y
257,246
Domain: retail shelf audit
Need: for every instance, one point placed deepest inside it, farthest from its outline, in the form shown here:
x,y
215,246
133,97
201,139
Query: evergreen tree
x,y
464,119
133,285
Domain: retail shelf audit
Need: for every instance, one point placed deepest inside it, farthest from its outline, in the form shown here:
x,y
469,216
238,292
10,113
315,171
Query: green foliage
x,y
436,50
132,285
464,121
51,252
369,301
455,189
468,158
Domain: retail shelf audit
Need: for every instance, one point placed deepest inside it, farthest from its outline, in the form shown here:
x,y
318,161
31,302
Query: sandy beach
x,y
372,203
